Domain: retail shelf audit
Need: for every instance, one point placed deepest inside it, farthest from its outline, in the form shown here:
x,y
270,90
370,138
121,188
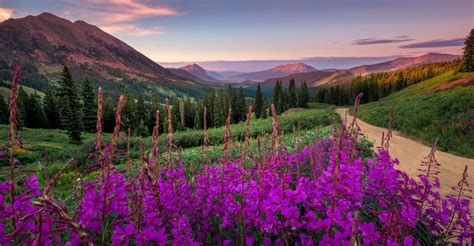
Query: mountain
x,y
310,78
275,72
331,77
199,72
222,74
402,62
42,44
188,76
335,78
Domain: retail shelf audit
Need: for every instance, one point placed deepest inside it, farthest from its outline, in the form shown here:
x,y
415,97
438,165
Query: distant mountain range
x,y
199,72
402,62
331,77
42,44
275,72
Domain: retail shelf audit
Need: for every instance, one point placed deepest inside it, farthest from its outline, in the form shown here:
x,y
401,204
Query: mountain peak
x,y
294,67
89,52
199,72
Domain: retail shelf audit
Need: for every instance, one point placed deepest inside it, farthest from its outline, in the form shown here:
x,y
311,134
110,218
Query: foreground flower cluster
x,y
325,193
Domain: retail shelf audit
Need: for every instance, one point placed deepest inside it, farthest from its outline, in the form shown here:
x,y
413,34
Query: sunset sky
x,y
207,30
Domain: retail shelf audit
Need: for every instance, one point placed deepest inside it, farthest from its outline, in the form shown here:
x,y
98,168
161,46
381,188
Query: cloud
x,y
122,10
402,36
371,41
437,43
119,16
5,14
132,30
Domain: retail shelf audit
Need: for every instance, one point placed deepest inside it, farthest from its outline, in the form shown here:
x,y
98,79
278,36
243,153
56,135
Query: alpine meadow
x,y
133,122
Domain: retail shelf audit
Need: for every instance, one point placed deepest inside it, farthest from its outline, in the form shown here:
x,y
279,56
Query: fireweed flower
x,y
324,193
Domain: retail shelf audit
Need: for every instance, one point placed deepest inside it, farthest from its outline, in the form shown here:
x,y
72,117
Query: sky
x,y
171,31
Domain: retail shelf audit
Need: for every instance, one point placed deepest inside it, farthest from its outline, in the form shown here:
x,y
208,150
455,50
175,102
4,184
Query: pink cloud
x,y
118,16
5,13
132,30
113,11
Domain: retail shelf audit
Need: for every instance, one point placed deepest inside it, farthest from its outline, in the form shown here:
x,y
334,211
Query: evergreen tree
x,y
258,106
50,109
189,113
400,83
108,114
69,107
292,100
129,111
3,110
303,96
89,107
241,105
199,117
36,117
468,58
283,101
219,112
141,129
176,115
277,96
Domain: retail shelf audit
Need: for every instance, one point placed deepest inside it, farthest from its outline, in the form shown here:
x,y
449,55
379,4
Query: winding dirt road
x,y
410,154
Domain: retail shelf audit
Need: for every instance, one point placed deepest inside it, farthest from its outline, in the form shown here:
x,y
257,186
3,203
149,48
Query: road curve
x,y
410,153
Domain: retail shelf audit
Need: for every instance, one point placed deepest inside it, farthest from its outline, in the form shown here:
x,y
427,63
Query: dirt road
x,y
410,154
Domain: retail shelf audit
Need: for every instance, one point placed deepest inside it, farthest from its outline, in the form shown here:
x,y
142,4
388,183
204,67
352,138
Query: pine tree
x,y
141,129
400,83
258,106
50,109
241,105
3,110
277,96
89,108
219,112
468,58
283,101
36,117
69,107
199,116
292,101
189,113
108,114
176,115
129,111
303,97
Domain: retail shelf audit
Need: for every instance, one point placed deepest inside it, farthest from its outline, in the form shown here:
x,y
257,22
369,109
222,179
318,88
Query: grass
x,y
316,124
424,113
59,148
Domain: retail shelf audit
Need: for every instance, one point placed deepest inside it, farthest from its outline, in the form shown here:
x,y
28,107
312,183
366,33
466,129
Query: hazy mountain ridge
x,y
199,72
402,62
331,77
275,72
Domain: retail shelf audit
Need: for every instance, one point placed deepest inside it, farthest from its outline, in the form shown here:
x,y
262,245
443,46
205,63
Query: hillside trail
x,y
411,153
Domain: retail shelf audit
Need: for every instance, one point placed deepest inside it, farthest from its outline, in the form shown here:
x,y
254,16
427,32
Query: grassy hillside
x,y
439,108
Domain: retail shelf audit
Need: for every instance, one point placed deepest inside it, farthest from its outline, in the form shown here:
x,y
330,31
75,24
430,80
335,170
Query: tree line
x,y
379,85
291,97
